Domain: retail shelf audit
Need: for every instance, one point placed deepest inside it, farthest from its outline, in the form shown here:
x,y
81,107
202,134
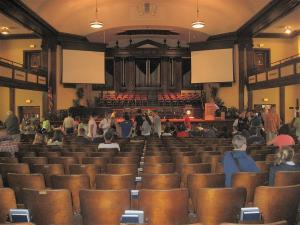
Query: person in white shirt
x,y
156,124
68,124
146,127
92,127
105,124
108,137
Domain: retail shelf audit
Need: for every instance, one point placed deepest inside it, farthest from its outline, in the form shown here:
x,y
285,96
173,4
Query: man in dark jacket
x,y
237,160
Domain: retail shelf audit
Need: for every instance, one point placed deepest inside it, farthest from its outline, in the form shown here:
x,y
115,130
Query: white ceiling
x,y
73,16
14,27
292,19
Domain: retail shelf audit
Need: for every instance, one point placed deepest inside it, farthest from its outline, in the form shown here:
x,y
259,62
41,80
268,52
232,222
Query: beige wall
x,y
280,47
271,93
4,102
298,40
292,92
230,95
65,96
13,49
22,95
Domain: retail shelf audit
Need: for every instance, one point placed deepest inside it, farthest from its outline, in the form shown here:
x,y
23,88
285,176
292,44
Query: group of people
x,y
239,161
266,127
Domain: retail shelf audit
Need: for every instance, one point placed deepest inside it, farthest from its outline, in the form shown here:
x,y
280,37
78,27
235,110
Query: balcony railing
x,y
14,74
282,72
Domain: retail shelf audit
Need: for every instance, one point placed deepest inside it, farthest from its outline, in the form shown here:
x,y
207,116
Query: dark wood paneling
x,y
19,36
77,42
7,82
283,81
273,11
208,45
147,52
230,36
282,102
12,99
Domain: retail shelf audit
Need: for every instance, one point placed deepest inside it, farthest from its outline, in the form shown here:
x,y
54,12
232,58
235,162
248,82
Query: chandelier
x,y
198,24
96,24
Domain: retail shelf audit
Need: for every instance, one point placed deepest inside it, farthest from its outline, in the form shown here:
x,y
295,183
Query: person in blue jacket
x,y
237,160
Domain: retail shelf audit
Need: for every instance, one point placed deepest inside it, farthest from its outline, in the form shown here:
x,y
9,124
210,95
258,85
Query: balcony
x,y
281,73
14,75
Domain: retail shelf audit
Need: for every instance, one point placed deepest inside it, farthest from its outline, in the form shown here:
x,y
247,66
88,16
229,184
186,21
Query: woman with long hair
x,y
283,162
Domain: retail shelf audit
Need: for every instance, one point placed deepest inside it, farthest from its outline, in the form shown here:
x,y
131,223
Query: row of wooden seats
x,y
168,207
149,181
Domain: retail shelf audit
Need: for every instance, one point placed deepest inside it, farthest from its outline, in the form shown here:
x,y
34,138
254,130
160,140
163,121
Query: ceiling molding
x,y
19,36
273,11
223,37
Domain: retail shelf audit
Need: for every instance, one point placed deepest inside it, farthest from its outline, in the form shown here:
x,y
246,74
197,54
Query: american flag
x,y
50,99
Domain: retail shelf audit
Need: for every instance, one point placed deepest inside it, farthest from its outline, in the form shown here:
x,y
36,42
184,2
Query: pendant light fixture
x,y
198,24
96,24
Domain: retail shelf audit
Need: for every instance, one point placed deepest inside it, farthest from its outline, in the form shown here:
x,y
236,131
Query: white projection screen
x,y
210,66
83,67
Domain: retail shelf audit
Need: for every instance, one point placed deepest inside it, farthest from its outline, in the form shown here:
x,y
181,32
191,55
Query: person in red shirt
x,y
283,139
187,121
182,132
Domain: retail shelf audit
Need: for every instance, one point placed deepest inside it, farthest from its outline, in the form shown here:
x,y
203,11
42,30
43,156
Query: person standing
x,y
187,122
68,124
92,127
146,127
156,124
105,123
138,122
271,123
126,126
296,125
12,126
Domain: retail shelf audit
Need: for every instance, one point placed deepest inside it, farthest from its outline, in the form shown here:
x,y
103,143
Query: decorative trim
x,y
148,32
147,42
208,45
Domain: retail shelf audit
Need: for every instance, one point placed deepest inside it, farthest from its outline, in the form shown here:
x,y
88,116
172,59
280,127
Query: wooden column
x,y
130,73
118,70
165,73
250,99
245,65
12,100
178,74
282,103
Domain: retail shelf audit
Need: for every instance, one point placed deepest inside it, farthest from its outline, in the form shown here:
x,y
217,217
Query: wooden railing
x,y
14,74
282,72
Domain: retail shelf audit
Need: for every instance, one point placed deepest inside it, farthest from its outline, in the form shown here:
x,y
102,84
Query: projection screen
x,y
210,66
83,67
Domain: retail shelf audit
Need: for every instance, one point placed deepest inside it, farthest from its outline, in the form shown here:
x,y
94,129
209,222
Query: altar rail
x,y
13,74
281,73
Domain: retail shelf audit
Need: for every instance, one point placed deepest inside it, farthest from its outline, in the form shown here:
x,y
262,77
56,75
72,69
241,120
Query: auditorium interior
x,y
181,60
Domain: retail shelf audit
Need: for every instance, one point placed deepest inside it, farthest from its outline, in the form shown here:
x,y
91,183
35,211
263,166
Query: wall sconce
x,y
28,101
265,99
32,46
